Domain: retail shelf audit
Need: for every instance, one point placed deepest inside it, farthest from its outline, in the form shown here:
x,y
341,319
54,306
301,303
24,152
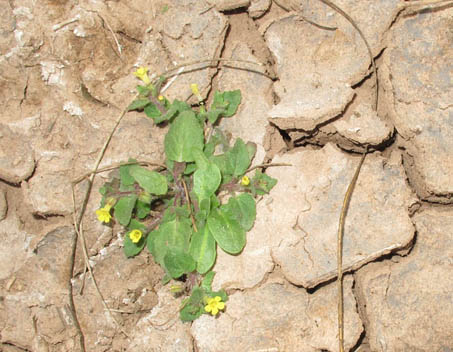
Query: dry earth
x,y
65,74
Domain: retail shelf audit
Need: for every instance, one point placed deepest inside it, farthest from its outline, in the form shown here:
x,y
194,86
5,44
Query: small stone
x,y
364,126
16,157
49,193
408,301
258,8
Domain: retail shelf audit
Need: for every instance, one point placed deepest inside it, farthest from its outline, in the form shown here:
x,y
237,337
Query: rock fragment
x,y
162,327
407,302
29,311
278,317
364,127
258,8
418,76
318,69
16,157
307,200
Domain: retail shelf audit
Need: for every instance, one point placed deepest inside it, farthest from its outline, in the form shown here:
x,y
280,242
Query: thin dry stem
x,y
344,210
77,227
189,204
211,62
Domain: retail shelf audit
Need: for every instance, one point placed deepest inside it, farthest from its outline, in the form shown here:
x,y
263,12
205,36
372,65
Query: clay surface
x,y
308,92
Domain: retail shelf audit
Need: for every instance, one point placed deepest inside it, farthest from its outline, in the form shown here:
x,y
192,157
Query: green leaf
x,y
151,181
200,158
194,306
185,135
166,279
241,208
234,99
136,225
206,181
205,208
224,104
138,104
143,90
175,108
103,190
178,263
203,249
251,149
125,177
214,114
143,209
191,312
123,209
207,281
227,232
262,183
238,159
131,249
153,112
172,235
190,168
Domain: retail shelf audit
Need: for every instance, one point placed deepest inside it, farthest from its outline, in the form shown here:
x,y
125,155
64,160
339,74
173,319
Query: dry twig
x,y
344,210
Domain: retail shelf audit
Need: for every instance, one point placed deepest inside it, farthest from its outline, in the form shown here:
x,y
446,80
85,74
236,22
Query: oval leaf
x,y
206,181
178,263
203,249
238,158
151,181
123,209
227,232
185,134
243,209
171,235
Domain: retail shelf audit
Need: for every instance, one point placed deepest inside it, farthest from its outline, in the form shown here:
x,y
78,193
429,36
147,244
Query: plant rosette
x,y
180,213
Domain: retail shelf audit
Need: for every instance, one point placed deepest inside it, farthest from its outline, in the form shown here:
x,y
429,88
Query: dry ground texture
x,y
65,76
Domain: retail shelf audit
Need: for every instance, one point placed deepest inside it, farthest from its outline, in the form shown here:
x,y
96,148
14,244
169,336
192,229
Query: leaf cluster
x,y
195,206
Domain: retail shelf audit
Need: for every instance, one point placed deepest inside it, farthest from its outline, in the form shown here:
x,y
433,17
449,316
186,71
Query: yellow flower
x,y
135,235
214,305
195,91
245,181
104,214
142,73
160,97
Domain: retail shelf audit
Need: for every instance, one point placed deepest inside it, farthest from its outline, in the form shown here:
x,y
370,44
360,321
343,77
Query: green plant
x,y
201,200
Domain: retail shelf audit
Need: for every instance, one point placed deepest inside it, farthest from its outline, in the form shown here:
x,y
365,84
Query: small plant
x,y
201,199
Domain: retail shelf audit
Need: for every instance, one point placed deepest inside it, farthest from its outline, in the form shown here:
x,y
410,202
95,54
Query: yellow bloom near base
x,y
135,235
214,305
103,214
245,181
